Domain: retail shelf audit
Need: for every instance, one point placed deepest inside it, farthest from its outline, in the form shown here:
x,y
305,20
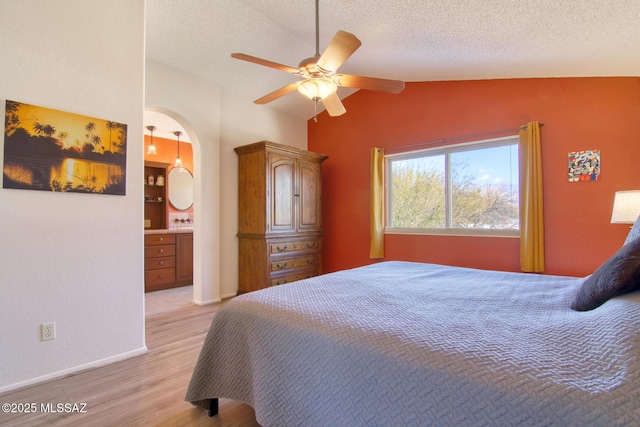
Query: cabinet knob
x,y
161,263
161,250
161,239
162,276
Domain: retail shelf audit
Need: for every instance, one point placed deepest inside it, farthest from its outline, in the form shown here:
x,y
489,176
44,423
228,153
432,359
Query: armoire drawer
x,y
293,263
293,276
288,246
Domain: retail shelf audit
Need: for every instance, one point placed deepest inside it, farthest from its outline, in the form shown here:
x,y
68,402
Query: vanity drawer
x,y
160,239
160,276
161,262
159,251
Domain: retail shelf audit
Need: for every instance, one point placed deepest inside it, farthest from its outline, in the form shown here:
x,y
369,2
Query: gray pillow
x,y
634,233
619,275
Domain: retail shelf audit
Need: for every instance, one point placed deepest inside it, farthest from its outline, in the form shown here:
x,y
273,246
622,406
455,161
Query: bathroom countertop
x,y
169,230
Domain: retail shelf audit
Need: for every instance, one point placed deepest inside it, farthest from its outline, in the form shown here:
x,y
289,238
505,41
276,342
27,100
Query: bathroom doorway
x,y
169,189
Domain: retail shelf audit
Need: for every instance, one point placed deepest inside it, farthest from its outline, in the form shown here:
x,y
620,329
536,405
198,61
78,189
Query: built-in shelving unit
x,y
155,195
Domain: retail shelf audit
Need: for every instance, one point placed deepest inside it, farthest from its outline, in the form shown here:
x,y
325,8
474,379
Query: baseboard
x,y
208,302
75,370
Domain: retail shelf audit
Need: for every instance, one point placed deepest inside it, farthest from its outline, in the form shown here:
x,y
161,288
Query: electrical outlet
x,y
47,331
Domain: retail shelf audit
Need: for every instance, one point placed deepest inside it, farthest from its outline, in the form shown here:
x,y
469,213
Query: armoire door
x,y
282,197
309,196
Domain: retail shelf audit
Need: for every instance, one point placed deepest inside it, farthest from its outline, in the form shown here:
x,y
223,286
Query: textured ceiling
x,y
410,40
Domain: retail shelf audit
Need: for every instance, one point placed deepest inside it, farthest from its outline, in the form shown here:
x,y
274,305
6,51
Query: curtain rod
x,y
456,138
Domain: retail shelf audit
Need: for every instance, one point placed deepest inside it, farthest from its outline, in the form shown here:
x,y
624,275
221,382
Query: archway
x,y
166,123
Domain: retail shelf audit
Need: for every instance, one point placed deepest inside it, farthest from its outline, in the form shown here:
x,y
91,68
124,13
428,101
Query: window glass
x,y
484,188
418,189
463,189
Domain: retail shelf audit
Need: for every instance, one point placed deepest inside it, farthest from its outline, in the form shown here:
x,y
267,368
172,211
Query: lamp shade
x,y
317,88
626,207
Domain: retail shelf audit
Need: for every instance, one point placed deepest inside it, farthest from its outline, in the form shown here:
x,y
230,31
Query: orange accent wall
x,y
577,113
167,152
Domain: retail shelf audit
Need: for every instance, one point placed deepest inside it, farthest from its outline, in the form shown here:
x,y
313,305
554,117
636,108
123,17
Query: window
x,y
468,189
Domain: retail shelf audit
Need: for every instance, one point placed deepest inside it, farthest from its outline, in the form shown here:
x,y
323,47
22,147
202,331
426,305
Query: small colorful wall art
x,y
53,150
584,165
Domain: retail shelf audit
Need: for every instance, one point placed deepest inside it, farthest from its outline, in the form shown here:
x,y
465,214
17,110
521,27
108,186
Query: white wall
x,y
216,122
76,259
243,122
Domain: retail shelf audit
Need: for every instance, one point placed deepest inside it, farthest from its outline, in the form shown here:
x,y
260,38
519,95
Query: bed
x,y
402,343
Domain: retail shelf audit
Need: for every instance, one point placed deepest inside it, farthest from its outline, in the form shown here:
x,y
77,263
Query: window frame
x,y
446,150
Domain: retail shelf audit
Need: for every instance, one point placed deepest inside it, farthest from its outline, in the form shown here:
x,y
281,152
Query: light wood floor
x,y
146,390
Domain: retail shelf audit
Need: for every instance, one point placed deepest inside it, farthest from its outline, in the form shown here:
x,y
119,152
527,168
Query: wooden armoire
x,y
279,215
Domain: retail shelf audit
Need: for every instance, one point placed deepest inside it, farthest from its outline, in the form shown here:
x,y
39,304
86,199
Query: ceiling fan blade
x,y
369,83
277,93
333,105
265,62
340,48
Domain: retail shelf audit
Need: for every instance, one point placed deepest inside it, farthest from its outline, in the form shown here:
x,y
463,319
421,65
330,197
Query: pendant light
x,y
178,162
151,150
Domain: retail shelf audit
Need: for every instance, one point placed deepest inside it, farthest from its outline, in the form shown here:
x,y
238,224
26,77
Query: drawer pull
x,y
161,250
281,249
281,282
311,245
161,239
281,266
161,263
310,261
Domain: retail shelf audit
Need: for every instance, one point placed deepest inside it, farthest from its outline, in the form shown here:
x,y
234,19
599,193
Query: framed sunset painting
x,y
52,150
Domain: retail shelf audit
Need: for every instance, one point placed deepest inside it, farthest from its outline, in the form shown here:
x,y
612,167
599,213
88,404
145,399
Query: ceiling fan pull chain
x,y
315,110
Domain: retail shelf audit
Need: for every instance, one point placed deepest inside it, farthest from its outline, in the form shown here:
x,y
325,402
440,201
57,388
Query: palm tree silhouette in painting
x,y
111,126
46,130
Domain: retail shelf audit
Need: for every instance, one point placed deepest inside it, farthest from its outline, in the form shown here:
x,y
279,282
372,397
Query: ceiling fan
x,y
321,79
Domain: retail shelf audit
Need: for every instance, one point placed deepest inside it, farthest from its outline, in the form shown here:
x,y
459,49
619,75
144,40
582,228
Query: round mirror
x,y
180,188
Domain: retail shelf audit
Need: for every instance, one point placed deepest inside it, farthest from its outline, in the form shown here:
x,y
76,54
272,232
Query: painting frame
x,y
58,151
583,165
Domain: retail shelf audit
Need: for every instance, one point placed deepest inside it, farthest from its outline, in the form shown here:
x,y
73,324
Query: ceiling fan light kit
x,y
319,72
317,88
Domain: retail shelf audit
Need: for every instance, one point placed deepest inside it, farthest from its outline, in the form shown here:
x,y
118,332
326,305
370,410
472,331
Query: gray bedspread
x,y
399,343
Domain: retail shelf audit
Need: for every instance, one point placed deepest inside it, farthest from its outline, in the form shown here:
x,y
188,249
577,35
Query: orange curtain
x,y
531,212
376,249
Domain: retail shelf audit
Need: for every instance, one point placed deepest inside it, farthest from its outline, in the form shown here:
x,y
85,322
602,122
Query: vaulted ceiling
x,y
410,40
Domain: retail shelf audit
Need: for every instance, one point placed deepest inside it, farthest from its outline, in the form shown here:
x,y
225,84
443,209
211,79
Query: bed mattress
x,y
400,343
